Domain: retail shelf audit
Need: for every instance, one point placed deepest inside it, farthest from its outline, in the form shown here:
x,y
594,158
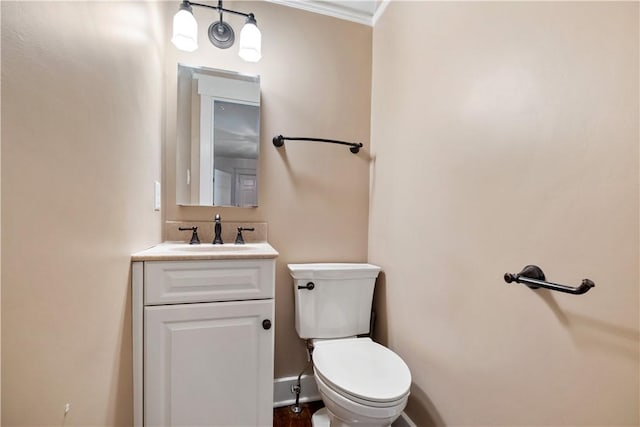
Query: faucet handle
x,y
194,237
217,239
239,239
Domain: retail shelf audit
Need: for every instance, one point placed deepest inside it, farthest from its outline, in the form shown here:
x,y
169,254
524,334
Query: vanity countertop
x,y
180,251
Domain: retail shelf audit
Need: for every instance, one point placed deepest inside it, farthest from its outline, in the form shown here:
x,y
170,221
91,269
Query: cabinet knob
x,y
266,324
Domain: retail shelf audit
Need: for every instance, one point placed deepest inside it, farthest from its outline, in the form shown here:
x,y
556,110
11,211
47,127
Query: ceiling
x,y
361,11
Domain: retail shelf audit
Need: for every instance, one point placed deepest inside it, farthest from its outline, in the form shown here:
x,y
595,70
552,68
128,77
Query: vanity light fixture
x,y
221,35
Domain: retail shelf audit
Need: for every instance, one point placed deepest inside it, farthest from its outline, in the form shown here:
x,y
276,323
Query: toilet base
x,y
320,418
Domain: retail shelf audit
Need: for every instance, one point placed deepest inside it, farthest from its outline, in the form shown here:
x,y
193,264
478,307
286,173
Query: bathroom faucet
x,y
217,240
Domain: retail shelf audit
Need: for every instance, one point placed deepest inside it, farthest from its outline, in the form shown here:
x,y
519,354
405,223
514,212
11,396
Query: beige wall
x,y
315,78
81,146
506,134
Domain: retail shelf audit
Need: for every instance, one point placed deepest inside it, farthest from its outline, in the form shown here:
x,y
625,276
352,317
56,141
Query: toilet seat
x,y
362,371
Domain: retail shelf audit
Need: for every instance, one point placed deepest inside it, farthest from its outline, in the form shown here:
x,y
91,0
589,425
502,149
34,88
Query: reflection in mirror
x,y
218,138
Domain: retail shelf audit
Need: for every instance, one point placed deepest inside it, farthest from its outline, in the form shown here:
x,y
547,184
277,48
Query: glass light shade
x,y
250,43
185,31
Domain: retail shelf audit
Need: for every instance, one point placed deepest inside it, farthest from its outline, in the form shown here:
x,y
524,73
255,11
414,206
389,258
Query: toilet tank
x,y
339,305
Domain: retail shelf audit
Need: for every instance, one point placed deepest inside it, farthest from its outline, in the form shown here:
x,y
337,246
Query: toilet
x,y
362,383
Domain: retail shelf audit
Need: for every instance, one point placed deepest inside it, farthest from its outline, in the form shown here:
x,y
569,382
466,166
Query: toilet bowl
x,y
361,383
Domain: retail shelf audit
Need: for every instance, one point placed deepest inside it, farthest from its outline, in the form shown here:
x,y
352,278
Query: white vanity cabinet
x,y
203,341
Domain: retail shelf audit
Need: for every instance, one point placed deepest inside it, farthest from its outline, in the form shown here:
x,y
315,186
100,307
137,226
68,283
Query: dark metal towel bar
x,y
533,277
278,141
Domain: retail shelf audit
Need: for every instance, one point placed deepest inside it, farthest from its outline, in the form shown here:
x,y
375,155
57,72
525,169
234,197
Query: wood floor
x,y
284,417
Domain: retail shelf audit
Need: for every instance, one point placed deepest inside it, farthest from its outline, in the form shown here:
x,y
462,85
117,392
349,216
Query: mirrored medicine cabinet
x,y
218,138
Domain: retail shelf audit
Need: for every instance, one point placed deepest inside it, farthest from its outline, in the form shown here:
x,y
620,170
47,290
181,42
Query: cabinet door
x,y
208,364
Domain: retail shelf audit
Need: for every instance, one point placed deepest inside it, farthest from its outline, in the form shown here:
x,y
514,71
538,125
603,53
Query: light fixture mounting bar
x,y
220,9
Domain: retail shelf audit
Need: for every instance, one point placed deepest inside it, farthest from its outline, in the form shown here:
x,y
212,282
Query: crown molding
x,y
382,6
337,9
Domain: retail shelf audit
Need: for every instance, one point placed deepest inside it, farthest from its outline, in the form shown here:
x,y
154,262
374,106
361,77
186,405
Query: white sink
x,y
169,251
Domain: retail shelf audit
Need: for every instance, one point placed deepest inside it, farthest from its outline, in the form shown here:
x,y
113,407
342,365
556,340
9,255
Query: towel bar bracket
x,y
530,271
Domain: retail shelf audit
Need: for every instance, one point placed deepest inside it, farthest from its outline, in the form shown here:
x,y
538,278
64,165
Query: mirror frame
x,y
188,159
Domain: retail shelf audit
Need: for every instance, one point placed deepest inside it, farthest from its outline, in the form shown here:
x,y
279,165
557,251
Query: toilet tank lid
x,y
334,270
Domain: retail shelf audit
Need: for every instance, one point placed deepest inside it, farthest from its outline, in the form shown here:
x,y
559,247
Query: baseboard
x,y
403,421
282,395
